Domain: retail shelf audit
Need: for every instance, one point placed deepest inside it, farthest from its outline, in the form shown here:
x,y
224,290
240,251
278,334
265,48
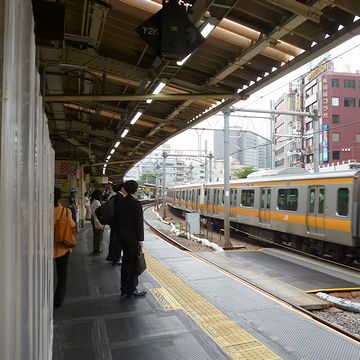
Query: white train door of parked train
x,y
265,201
316,205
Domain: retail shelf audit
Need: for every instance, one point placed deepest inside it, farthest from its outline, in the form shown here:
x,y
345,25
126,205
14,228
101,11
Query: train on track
x,y
316,213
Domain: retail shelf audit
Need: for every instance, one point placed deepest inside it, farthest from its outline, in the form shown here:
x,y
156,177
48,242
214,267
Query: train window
x,y
208,196
231,197
288,199
222,198
268,199
263,196
247,198
183,195
312,200
342,201
321,200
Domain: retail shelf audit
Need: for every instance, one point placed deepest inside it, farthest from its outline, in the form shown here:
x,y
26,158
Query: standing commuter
x,y
114,245
73,206
98,229
61,252
130,227
87,206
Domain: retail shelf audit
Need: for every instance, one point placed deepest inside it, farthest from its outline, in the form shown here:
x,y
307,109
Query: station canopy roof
x,y
98,79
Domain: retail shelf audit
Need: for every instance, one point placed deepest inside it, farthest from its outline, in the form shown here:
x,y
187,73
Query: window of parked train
x,y
247,198
288,199
233,193
343,201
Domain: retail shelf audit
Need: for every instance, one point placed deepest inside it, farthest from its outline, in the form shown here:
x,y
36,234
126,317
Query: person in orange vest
x,y
61,252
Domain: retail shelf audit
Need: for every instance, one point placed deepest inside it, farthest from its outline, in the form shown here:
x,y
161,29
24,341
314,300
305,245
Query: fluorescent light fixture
x,y
340,27
157,90
106,160
124,133
112,151
313,43
183,61
135,118
109,157
117,144
208,28
356,18
105,165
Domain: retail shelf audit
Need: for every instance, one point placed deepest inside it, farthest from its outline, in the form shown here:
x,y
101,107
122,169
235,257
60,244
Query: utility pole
x,y
226,180
210,169
206,165
164,184
272,134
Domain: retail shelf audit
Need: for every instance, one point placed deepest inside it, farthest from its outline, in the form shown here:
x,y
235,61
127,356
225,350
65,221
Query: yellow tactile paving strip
x,y
234,340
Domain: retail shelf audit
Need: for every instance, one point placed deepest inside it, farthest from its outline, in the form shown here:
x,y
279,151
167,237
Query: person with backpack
x,y
98,228
61,251
114,245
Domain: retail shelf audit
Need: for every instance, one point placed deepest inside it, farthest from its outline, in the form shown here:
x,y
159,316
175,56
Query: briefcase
x,y
141,263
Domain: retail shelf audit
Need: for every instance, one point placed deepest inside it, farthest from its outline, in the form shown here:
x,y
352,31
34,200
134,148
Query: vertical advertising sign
x,y
325,143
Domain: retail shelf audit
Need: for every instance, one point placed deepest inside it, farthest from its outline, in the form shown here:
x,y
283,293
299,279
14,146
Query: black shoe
x,y
136,293
114,263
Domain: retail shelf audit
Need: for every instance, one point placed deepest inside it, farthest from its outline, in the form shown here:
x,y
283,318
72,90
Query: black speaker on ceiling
x,y
49,23
170,33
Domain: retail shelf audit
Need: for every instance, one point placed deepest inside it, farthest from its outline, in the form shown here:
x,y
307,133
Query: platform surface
x,y
192,311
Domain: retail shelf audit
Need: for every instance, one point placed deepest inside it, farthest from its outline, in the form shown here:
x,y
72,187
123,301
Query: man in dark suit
x,y
130,229
114,245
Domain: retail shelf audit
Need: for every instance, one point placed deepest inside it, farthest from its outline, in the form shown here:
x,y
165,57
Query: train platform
x,y
192,310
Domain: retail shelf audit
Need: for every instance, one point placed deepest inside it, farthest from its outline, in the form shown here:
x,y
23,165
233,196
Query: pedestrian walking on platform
x,y
98,228
130,227
61,251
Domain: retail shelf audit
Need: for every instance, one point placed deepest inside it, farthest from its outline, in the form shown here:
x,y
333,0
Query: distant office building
x,y
246,147
234,166
288,149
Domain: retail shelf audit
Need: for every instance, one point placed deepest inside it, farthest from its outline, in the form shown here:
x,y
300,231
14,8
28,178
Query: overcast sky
x,y
348,61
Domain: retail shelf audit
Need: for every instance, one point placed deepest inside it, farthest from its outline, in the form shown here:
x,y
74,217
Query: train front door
x,y
265,202
316,210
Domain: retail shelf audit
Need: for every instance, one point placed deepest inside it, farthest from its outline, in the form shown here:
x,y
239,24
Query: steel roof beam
x,y
139,97
266,41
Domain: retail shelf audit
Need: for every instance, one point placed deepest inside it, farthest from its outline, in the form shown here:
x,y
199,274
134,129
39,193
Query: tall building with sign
x,y
336,97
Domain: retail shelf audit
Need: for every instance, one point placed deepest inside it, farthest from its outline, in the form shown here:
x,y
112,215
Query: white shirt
x,y
86,201
94,205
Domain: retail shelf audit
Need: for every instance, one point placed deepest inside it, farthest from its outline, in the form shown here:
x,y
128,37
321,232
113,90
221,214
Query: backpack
x,y
106,211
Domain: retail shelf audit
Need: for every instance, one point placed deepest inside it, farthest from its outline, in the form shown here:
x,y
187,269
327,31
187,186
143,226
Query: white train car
x,y
317,213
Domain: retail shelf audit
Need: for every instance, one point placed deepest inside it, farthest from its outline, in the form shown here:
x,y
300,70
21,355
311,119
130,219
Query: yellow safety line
x,y
234,340
332,290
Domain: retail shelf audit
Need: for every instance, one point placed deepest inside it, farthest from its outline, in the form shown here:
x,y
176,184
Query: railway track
x,y
294,306
355,268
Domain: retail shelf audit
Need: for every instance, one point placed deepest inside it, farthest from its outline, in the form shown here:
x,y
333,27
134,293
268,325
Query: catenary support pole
x,y
272,130
206,164
226,180
163,192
